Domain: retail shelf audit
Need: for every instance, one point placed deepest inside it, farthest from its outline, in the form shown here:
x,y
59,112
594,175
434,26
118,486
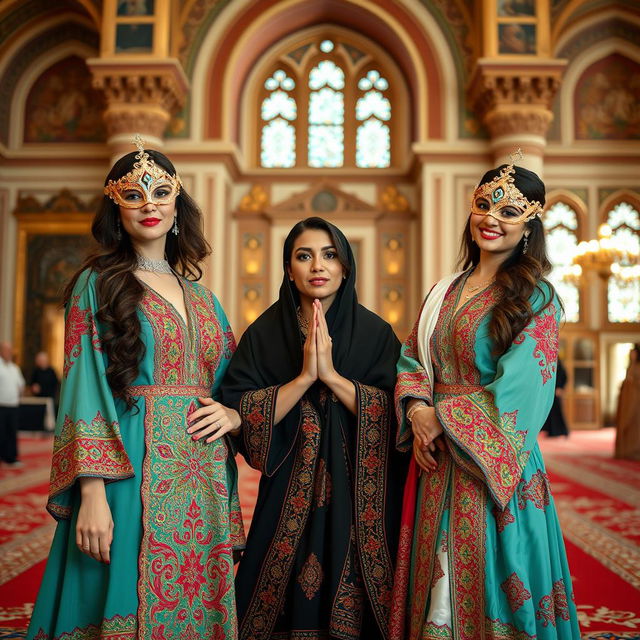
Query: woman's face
x,y
149,222
494,236
314,266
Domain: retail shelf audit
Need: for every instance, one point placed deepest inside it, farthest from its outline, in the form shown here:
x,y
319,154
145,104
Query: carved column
x,y
514,101
141,98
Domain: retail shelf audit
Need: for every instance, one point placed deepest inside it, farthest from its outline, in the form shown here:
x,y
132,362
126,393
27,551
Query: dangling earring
x,y
526,244
118,232
175,229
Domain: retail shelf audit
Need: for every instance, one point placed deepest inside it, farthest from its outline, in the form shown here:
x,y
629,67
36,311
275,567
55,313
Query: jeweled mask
x,y
146,182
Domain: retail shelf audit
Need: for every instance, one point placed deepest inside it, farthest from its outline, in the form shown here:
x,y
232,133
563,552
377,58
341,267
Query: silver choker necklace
x,y
157,266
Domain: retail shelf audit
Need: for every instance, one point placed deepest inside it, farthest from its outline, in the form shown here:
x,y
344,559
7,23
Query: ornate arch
x,y
39,66
252,94
575,71
575,202
38,43
620,195
412,37
621,290
572,293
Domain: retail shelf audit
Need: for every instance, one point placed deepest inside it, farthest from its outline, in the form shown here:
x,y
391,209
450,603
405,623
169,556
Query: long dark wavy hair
x,y
118,290
520,273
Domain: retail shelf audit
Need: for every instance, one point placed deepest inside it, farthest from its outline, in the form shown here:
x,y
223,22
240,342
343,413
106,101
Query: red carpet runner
x,y
598,500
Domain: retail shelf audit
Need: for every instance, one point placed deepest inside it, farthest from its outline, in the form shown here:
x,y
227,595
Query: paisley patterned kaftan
x,y
481,555
173,500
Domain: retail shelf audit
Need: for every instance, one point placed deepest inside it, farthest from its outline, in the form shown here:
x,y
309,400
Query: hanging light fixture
x,y
604,257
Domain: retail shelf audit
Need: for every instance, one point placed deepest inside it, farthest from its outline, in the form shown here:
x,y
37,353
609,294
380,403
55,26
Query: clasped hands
x,y
427,436
317,359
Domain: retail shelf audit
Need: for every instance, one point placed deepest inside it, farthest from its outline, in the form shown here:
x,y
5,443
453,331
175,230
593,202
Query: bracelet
x,y
416,407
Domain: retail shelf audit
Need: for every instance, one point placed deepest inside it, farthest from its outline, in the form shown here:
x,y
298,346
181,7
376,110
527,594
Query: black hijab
x,y
363,345
270,353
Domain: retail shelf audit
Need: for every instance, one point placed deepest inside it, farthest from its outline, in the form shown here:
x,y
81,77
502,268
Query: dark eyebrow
x,y
310,249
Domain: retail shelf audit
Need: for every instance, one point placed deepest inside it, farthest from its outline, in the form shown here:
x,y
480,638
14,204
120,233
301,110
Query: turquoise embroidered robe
x,y
481,554
173,500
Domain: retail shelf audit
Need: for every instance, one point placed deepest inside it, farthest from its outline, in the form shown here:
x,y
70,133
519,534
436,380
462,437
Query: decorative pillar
x,y
516,78
253,257
514,102
395,301
143,86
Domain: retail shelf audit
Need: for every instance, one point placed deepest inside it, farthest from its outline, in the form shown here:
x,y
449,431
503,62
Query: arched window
x,y
561,226
326,104
326,115
279,110
373,110
623,290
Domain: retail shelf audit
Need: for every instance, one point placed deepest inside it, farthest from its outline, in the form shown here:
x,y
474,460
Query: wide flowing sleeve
x,y
238,539
228,349
495,428
412,382
264,444
87,439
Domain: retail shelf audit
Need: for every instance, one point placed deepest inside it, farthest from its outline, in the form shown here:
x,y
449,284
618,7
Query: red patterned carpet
x,y
598,500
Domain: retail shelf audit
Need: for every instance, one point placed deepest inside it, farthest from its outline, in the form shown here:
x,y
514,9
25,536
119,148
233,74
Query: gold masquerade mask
x,y
146,182
501,199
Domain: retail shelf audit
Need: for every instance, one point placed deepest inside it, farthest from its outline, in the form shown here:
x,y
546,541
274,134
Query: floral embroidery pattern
x,y
437,572
467,544
453,341
428,515
409,384
503,517
517,594
271,584
504,631
257,409
118,627
536,490
346,614
311,576
229,343
370,493
554,605
185,561
322,491
170,343
544,331
82,449
214,343
79,322
472,421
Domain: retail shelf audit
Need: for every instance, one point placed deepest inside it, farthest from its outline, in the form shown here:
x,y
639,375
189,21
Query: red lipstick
x,y
150,222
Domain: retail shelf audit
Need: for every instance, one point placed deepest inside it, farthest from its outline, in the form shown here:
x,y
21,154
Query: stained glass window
x,y
323,95
279,111
623,291
326,115
561,225
373,110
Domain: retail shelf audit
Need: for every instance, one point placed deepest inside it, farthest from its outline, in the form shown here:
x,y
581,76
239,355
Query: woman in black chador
x,y
313,379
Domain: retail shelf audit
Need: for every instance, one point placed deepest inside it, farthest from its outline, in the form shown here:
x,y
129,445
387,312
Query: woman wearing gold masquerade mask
x,y
143,483
481,552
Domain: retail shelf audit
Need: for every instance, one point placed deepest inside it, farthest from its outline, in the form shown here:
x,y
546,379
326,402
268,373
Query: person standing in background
x,y
555,424
628,416
44,380
11,386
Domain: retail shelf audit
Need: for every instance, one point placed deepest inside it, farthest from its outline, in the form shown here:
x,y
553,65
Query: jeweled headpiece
x,y
501,199
146,182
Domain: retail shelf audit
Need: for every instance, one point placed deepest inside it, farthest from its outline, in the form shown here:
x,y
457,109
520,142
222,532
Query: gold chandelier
x,y
605,257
